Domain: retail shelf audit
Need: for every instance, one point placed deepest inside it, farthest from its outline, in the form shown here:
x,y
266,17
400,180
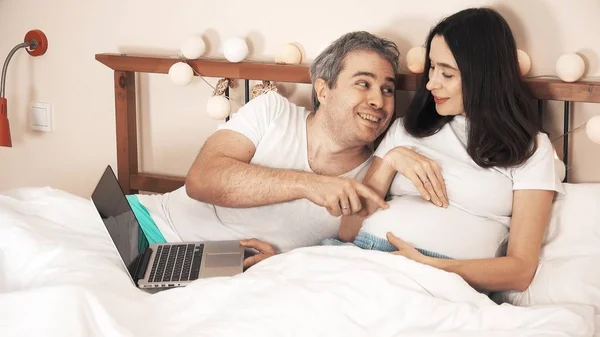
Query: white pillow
x,y
570,280
569,269
574,228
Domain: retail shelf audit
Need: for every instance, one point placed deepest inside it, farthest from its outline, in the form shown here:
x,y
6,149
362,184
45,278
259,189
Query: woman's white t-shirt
x,y
476,223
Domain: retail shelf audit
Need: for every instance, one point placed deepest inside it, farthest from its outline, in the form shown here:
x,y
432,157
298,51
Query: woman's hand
x,y
404,249
424,173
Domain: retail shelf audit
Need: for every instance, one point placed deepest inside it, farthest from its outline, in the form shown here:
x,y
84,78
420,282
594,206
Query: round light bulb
x,y
193,47
218,107
181,73
235,49
592,128
415,59
289,54
570,67
524,62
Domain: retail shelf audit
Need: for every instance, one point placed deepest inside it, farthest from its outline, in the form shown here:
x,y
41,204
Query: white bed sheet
x,y
61,276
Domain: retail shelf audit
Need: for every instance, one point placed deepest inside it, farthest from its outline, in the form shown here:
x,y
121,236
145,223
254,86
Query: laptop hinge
x,y
142,264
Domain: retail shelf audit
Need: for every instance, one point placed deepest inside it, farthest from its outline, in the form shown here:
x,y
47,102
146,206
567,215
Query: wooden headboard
x,y
125,67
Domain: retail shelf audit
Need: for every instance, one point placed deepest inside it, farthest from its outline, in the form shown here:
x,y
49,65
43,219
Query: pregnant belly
x,y
450,231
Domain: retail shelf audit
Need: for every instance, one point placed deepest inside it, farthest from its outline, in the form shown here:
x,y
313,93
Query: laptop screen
x,y
121,223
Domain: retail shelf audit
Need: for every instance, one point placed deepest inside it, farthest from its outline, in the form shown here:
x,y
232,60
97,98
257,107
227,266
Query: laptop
x,y
166,265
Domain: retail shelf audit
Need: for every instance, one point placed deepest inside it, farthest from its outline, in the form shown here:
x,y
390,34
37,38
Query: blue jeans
x,y
369,241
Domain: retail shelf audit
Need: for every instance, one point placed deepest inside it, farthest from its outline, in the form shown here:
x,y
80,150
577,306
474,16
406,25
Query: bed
x,y
61,276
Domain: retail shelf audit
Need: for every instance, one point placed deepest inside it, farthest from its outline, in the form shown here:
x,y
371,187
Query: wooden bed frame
x,y
125,67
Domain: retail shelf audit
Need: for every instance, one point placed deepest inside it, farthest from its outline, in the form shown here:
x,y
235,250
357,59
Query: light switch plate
x,y
40,117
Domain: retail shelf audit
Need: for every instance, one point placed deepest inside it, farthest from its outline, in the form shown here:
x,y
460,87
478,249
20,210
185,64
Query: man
x,y
284,175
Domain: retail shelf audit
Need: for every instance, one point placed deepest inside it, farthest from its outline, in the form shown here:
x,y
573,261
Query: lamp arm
x,y
31,43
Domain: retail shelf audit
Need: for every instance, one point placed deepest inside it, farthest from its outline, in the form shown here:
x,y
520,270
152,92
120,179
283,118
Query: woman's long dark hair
x,y
502,117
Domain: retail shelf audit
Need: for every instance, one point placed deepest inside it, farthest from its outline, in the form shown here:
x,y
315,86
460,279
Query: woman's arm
x,y
424,173
378,178
515,271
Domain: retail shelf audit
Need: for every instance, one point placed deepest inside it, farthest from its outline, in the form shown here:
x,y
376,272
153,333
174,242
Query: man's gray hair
x,y
330,62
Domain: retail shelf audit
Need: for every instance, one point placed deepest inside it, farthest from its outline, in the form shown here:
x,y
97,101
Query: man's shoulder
x,y
271,97
273,102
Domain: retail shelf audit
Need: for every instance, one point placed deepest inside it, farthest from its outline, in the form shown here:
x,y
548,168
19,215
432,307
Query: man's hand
x,y
341,195
264,249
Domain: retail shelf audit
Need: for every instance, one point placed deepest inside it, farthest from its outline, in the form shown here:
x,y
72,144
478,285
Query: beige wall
x,y
173,126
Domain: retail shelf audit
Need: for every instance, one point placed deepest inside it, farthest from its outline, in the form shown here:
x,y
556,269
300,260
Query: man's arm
x,y
221,175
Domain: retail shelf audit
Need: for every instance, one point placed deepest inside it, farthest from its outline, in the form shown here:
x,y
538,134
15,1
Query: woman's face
x,y
444,79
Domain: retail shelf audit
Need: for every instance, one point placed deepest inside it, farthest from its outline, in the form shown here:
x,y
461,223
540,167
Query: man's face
x,y
361,104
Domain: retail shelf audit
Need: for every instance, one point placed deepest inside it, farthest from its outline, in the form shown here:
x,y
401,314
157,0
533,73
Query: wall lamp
x,y
36,44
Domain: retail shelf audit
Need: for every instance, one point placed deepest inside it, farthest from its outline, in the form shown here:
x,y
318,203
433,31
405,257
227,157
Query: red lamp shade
x,y
4,128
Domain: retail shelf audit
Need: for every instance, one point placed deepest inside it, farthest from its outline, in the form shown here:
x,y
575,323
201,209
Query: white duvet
x,y
61,276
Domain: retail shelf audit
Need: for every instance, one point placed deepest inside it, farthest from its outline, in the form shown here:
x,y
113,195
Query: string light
x,y
563,135
210,85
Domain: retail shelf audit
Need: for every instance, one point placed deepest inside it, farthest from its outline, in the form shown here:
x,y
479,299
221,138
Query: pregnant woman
x,y
469,174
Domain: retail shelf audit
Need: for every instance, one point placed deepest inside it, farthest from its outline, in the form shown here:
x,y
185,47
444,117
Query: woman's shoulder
x,y
540,170
543,150
397,128
543,146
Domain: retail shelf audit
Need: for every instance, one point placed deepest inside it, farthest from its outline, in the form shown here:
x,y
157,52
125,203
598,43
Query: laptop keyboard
x,y
176,263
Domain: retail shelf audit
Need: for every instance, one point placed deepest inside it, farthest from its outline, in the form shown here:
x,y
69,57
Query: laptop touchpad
x,y
223,260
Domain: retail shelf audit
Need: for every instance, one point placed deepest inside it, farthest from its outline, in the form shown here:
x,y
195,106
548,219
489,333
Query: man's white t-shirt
x,y
476,223
277,128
